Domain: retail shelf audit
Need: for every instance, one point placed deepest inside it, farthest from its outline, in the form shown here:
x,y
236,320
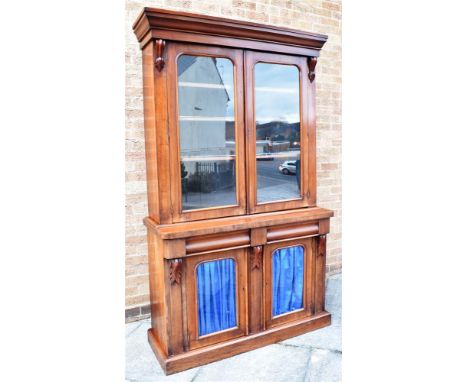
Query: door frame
x,y
307,132
194,340
175,50
308,288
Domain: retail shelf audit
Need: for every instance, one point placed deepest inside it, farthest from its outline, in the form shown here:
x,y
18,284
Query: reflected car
x,y
288,167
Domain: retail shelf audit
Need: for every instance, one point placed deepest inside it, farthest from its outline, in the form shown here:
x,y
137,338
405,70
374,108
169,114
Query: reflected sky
x,y
277,132
276,93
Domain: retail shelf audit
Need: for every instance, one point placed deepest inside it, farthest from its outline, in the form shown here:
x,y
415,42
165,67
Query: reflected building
x,y
203,109
206,124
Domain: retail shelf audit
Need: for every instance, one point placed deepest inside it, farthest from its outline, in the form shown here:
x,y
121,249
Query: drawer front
x,y
289,270
216,297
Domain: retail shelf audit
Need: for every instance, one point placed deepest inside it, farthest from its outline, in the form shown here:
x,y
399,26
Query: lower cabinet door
x,y
216,297
288,281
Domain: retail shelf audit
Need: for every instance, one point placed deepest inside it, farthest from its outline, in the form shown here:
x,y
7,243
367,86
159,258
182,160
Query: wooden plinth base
x,y
236,346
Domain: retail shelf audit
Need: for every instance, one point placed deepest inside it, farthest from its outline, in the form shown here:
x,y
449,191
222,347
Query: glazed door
x,y
206,131
280,122
289,281
219,168
216,297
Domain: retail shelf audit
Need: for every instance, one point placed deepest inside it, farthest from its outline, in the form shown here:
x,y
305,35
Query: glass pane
x,y
216,294
288,279
278,132
207,135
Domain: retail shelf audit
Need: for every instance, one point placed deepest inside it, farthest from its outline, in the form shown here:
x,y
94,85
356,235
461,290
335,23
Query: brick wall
x,y
313,15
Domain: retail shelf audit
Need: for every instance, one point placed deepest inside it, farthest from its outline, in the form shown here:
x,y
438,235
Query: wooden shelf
x,y
188,158
287,154
186,118
210,226
276,90
204,85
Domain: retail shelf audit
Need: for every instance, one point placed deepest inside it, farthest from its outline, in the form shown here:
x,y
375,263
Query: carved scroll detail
x,y
159,61
311,63
257,257
175,271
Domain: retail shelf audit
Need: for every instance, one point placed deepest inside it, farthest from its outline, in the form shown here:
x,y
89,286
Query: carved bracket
x,y
159,61
322,246
257,257
175,271
311,63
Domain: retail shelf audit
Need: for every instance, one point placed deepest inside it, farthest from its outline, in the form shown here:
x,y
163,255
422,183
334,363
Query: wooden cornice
x,y
160,23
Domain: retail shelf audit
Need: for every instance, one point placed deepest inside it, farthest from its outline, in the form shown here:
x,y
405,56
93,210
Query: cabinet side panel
x,y
320,274
157,291
311,124
174,275
150,132
162,140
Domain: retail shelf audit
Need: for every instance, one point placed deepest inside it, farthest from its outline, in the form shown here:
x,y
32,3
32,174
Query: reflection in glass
x,y
278,132
216,296
207,135
288,279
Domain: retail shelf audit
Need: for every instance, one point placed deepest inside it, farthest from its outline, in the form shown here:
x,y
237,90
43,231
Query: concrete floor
x,y
311,357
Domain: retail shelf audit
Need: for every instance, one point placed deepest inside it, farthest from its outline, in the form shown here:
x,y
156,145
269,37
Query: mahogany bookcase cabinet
x,y
236,242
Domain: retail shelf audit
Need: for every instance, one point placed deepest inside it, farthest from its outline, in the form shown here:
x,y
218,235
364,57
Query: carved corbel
x,y
159,60
322,245
175,271
257,252
311,63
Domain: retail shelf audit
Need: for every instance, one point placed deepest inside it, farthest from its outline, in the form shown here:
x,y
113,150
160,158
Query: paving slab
x,y
141,363
327,338
271,363
131,327
330,336
324,366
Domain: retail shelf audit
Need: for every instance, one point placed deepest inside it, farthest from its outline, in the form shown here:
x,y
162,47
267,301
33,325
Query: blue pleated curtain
x,y
288,279
216,294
